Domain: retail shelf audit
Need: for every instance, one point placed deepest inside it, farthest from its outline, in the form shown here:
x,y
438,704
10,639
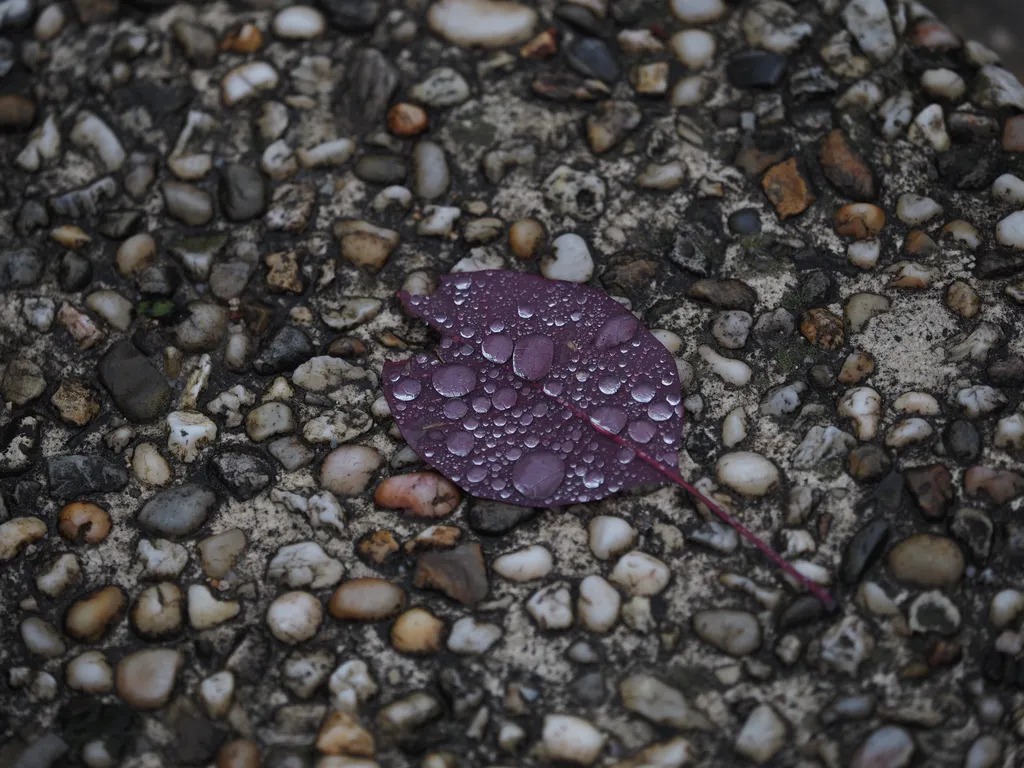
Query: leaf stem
x,y
673,475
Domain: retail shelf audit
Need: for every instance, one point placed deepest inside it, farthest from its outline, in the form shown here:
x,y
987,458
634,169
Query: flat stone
x,y
75,476
845,168
736,633
787,189
485,23
926,560
285,350
756,69
177,511
458,573
863,551
932,489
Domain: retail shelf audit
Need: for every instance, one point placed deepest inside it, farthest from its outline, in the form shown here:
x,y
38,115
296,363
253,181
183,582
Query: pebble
x,y
247,81
205,611
889,745
177,511
146,679
470,637
84,521
89,672
869,23
90,132
985,752
610,123
926,560
775,26
929,129
364,244
915,210
571,739
366,599
528,564
748,473
294,617
525,238
862,405
243,192
640,574
269,420
591,57
731,328
407,120
1010,231
89,618
347,470
859,220
421,494
484,23
157,611
187,203
943,83
698,11
298,22
934,612
695,48
431,170
459,573
730,370
41,638
305,564
442,87
762,736
417,632
733,632
569,259
188,433
756,69
847,644
551,606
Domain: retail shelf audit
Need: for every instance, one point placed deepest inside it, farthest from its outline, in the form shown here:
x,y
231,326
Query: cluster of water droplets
x,y
504,410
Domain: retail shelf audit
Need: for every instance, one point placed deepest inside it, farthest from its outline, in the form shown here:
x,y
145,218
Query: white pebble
x,y
943,83
640,574
215,693
690,91
188,433
907,432
329,153
112,307
1010,231
571,739
1006,607
438,220
528,564
268,420
732,371
90,132
570,260
89,672
698,11
551,606
598,604
161,559
763,735
863,406
469,636
929,129
347,470
610,536
746,472
919,403
1010,433
980,400
864,253
916,209
694,47
1008,189
299,22
734,427
486,23
206,611
294,617
41,638
247,81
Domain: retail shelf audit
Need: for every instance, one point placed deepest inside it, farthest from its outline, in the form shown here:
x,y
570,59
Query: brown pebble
x,y
17,113
341,734
525,238
434,537
823,328
844,168
963,299
89,618
1013,134
919,243
366,599
927,561
932,489
76,402
245,38
145,679
85,521
857,367
284,272
378,546
859,220
421,494
753,162
868,463
996,485
240,753
459,573
787,189
407,120
932,35
543,46
417,632
944,653
346,347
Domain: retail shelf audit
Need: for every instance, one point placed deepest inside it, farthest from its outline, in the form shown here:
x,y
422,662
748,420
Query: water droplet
x,y
659,411
552,388
609,385
497,326
643,392
498,483
513,453
625,455
504,398
593,479
532,357
460,443
455,409
481,404
673,398
531,441
463,282
471,423
540,410
454,380
497,348
407,389
538,474
615,331
467,333
609,418
526,311
476,474
642,430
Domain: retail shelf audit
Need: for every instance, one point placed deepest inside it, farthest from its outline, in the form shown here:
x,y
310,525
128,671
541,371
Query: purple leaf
x,y
542,393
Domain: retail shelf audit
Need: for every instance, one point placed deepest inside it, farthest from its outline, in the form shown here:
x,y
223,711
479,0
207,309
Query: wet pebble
x,y
926,560
736,633
146,679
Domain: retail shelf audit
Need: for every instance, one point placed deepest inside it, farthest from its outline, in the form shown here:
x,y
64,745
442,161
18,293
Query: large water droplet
x,y
504,398
455,409
538,474
532,357
526,312
454,380
615,331
553,388
625,455
593,479
407,389
609,418
481,404
497,348
609,385
643,392
642,430
460,443
476,474
659,411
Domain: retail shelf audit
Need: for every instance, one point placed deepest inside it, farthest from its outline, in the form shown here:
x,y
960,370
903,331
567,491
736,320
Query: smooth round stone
x,y
748,473
610,536
158,611
694,47
698,11
485,23
136,252
915,210
640,574
472,637
525,238
382,169
928,561
243,192
762,736
1006,607
89,672
431,170
745,221
592,58
145,679
269,420
598,604
888,747
1010,231
187,203
299,22
294,617
572,740
736,633
570,260
528,564
41,638
366,599
89,619
417,632
149,466
178,511
347,470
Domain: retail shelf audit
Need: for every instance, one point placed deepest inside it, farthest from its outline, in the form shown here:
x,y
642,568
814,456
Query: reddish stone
x,y
459,573
932,489
844,168
859,220
996,485
823,328
787,189
933,35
